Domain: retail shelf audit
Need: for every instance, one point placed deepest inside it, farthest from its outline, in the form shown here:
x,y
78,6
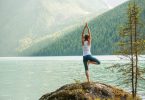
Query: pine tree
x,y
131,45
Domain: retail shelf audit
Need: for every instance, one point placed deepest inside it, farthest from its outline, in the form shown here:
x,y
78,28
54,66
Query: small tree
x,y
131,45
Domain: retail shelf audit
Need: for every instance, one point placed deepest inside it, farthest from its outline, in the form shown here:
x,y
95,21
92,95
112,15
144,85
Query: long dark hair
x,y
86,37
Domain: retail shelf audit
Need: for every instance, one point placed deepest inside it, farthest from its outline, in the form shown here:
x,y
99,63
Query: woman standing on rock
x,y
87,57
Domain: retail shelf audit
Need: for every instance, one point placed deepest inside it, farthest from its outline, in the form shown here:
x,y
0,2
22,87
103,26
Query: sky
x,y
113,3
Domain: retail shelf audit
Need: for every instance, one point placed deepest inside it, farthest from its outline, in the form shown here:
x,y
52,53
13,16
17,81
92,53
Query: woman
x,y
87,57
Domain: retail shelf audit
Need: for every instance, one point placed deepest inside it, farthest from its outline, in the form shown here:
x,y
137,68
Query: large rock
x,y
87,91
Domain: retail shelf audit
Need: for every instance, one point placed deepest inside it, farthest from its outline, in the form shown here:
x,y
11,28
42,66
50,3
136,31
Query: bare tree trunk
x,y
136,50
131,48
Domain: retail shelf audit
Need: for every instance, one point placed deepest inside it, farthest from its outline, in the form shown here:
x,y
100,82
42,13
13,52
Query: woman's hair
x,y
86,37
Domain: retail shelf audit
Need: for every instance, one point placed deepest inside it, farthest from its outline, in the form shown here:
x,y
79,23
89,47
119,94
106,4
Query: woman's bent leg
x,y
93,60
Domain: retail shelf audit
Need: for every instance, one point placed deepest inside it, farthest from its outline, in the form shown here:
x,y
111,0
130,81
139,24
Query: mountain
x,y
24,21
104,30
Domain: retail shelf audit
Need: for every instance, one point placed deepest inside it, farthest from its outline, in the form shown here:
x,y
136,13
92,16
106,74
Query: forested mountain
x,y
104,29
24,21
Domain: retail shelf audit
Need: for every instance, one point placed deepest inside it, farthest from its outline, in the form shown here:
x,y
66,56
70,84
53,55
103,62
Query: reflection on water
x,y
28,79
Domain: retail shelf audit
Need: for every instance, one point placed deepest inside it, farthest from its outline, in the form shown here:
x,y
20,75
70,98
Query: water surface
x,y
28,78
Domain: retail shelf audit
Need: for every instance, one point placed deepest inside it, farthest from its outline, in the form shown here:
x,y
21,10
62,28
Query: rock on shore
x,y
87,91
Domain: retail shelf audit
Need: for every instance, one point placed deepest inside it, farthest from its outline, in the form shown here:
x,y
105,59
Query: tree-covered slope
x,y
24,21
104,29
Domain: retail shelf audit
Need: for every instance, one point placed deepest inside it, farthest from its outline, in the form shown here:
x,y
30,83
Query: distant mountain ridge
x,y
25,20
104,30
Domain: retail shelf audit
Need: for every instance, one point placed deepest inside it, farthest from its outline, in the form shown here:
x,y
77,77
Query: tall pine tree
x,y
131,46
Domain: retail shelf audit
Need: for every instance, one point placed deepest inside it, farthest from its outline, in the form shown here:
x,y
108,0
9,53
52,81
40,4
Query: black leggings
x,y
89,58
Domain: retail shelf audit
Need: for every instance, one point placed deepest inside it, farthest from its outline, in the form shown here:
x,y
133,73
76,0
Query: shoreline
x,y
101,57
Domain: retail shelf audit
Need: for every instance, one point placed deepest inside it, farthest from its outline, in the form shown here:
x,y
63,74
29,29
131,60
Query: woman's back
x,y
86,48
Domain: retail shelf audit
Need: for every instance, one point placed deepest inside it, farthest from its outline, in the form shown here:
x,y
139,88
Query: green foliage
x,y
104,29
131,46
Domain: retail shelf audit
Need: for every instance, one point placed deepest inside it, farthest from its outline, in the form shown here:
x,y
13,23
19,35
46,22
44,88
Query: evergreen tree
x,y
132,44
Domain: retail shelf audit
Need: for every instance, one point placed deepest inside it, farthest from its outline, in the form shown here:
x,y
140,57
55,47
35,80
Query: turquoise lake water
x,y
28,78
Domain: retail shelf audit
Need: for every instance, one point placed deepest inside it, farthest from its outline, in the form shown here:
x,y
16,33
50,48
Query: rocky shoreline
x,y
87,91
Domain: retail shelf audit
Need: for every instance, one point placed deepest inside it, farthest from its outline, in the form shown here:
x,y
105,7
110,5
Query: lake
x,y
28,78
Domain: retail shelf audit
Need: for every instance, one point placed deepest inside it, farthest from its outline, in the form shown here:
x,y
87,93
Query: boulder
x,y
87,91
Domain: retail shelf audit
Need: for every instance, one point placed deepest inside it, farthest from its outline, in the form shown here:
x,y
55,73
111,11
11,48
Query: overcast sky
x,y
113,3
